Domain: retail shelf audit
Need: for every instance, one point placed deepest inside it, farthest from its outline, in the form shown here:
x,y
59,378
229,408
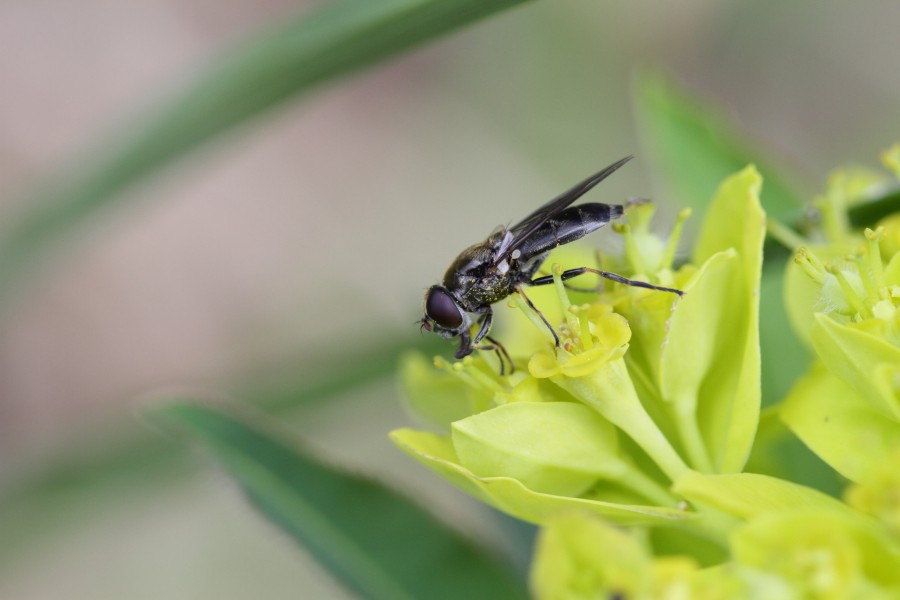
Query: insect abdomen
x,y
569,225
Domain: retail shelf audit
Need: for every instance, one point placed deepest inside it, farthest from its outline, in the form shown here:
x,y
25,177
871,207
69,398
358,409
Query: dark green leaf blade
x,y
695,147
334,40
372,539
867,214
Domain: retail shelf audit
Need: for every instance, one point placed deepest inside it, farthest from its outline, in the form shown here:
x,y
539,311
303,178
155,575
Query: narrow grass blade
x,y
78,482
334,40
372,539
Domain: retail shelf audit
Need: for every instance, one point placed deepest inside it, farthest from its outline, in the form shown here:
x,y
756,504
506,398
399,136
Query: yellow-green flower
x,y
645,387
843,296
579,557
877,492
808,553
645,414
827,555
600,336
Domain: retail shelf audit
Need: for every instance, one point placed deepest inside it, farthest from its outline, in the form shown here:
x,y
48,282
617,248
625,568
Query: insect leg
x,y
499,347
579,289
611,276
494,345
485,321
465,345
574,288
539,313
500,351
598,257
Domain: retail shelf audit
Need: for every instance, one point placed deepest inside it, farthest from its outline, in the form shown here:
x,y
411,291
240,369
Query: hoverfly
x,y
507,261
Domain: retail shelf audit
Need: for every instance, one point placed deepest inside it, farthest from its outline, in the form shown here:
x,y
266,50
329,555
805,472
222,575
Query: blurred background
x,y
298,246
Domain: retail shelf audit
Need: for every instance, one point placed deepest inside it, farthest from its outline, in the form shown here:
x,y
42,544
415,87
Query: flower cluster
x,y
631,436
843,295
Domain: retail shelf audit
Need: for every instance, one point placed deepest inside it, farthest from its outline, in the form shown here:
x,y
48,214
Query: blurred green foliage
x,y
374,540
693,147
291,58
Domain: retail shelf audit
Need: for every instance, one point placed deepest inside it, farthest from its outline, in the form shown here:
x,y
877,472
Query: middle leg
x,y
537,312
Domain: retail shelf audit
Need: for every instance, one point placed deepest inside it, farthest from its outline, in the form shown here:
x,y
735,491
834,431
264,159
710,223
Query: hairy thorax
x,y
474,278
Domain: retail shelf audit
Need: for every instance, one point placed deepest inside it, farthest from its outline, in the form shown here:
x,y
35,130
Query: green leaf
x,y
867,214
509,495
610,391
558,448
837,423
748,495
338,38
374,540
695,147
710,369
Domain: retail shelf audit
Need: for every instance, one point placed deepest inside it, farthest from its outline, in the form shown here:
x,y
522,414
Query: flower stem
x,y
632,252
674,237
564,302
855,301
875,265
811,265
610,392
587,338
784,234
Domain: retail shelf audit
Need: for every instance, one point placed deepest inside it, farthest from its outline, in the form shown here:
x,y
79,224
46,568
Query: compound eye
x,y
442,309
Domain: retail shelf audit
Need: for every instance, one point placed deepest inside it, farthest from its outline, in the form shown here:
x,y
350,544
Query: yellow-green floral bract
x,y
645,387
847,306
634,432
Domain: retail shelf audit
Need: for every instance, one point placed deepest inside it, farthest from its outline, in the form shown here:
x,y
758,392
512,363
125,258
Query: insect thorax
x,y
475,280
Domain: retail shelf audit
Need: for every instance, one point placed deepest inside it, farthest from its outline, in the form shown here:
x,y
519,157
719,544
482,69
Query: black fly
x,y
495,268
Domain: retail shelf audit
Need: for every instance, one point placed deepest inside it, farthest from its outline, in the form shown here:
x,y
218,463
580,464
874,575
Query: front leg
x,y
501,354
486,319
465,345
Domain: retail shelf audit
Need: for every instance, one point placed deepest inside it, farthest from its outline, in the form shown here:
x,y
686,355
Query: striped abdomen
x,y
571,224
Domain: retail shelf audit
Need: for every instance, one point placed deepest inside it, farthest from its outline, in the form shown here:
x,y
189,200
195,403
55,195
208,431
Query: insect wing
x,y
527,226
